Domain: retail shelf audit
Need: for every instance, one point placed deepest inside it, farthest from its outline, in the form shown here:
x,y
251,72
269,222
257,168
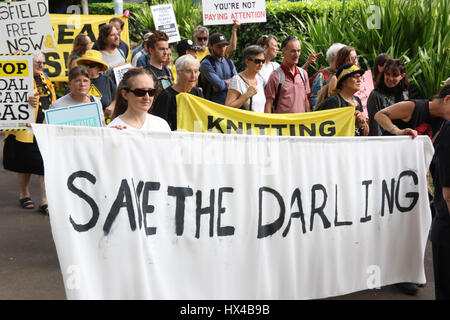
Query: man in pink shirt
x,y
293,95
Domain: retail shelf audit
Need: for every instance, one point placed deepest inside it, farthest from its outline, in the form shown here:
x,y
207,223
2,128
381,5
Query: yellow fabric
x,y
201,55
25,136
347,71
195,114
174,73
64,36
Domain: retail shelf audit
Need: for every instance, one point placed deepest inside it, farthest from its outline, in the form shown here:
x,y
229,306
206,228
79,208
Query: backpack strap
x,y
251,98
282,78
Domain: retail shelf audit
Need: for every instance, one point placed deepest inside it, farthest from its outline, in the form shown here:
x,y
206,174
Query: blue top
x,y
218,77
136,50
143,60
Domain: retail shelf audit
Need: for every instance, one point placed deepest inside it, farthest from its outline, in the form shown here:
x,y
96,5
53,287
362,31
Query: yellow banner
x,y
65,28
195,114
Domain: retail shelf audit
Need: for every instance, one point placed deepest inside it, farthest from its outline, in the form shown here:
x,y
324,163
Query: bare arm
x,y
233,40
311,59
332,84
268,105
235,99
399,111
446,196
307,105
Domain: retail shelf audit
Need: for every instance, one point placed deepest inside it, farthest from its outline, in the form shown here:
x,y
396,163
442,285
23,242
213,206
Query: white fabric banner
x,y
145,215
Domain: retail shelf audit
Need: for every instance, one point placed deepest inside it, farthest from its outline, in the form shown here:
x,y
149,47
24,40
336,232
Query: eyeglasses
x,y
202,38
91,65
257,61
142,92
191,71
40,63
356,76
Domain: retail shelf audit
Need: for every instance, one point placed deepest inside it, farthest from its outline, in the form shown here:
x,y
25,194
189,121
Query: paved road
x,y
29,267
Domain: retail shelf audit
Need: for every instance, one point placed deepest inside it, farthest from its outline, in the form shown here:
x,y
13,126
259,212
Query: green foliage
x,y
415,31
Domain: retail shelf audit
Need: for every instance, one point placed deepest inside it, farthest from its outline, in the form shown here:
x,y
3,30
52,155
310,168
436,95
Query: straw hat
x,y
93,56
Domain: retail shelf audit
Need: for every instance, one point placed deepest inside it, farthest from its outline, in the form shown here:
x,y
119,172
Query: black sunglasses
x,y
142,92
257,61
202,38
91,65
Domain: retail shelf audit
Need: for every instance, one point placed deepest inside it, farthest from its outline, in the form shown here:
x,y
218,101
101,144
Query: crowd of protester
x,y
146,99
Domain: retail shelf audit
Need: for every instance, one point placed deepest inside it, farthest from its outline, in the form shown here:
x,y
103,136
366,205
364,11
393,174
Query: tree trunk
x,y
84,5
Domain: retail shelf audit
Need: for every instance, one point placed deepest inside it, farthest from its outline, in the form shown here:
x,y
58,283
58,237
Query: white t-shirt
x,y
258,100
267,69
68,101
152,123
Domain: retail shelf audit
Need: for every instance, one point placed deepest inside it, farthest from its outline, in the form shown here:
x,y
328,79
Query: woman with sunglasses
x,y
20,152
101,85
134,98
246,89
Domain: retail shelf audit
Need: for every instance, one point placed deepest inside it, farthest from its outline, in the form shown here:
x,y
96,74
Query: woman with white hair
x,y
323,76
165,106
21,153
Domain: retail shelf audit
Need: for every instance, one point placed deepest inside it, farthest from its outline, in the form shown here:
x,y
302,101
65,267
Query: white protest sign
x,y
87,114
164,20
119,71
156,215
217,12
365,89
16,85
26,26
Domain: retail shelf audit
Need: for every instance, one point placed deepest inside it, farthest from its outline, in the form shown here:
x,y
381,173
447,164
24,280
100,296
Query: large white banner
x,y
144,215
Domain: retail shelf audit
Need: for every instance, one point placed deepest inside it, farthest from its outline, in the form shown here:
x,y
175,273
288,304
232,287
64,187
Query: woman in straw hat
x,y
348,83
101,86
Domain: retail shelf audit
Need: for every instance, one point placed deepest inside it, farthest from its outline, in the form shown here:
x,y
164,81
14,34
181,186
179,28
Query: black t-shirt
x,y
166,105
104,88
163,76
421,121
336,101
440,171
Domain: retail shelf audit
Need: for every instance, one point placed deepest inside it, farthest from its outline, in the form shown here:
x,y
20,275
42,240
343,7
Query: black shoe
x,y
408,288
44,209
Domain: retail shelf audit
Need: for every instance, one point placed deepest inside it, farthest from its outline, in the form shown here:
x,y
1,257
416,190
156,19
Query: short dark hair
x,y
155,37
445,91
252,50
78,71
287,40
397,67
118,20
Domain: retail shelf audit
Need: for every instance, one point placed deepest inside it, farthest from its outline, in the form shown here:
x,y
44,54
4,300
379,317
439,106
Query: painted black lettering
x,y
366,217
413,195
270,228
206,210
95,211
214,124
123,200
227,230
296,197
389,195
180,193
319,210
147,208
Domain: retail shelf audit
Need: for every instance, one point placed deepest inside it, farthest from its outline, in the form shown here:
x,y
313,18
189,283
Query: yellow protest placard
x,y
195,114
66,27
13,68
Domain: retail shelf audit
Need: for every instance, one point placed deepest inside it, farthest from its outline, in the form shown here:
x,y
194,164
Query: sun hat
x,y
345,72
93,56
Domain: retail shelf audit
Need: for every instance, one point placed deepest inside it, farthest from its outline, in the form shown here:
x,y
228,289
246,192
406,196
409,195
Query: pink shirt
x,y
293,93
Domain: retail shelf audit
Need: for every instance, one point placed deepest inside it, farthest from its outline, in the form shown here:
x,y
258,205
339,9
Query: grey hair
x,y
201,29
38,54
186,61
252,50
333,50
